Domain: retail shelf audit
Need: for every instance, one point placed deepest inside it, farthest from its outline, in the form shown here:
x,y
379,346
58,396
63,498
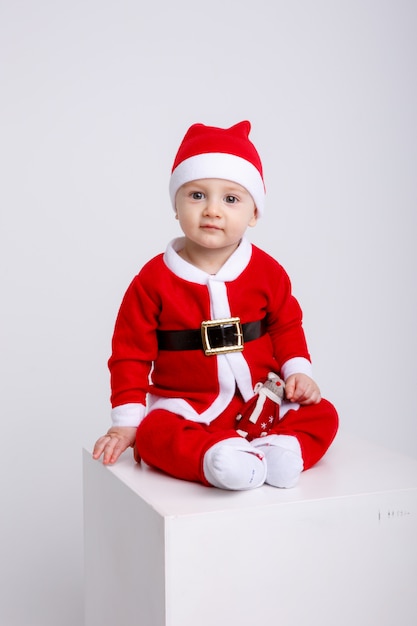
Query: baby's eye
x,y
197,195
231,199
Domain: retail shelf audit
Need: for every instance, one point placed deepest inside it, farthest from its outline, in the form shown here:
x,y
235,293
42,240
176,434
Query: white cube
x,y
338,549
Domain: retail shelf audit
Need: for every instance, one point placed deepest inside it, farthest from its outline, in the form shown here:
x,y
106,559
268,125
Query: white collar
x,y
233,267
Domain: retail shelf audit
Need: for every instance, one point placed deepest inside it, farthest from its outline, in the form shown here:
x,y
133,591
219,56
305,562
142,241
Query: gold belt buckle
x,y
229,321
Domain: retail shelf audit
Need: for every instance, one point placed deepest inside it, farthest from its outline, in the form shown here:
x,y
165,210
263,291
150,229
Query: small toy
x,y
261,412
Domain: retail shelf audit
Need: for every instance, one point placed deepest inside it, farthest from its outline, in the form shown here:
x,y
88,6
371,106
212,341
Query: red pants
x,y
177,446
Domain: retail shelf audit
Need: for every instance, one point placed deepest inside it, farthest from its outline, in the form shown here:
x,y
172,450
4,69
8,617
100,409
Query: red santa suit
x,y
184,401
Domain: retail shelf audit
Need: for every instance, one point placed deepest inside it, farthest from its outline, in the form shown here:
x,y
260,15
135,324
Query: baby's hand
x,y
117,440
302,389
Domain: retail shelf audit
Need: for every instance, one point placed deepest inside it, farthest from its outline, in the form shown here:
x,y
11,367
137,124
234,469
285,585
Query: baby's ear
x,y
254,218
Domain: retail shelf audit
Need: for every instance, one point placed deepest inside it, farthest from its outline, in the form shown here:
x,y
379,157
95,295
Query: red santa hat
x,y
226,153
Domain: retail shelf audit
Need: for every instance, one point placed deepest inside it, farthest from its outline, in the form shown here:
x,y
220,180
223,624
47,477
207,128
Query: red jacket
x,y
171,294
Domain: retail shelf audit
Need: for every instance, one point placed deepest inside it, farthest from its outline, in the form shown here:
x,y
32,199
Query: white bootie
x,y
234,464
283,458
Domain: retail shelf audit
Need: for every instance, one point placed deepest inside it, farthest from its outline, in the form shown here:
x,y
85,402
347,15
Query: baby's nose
x,y
212,207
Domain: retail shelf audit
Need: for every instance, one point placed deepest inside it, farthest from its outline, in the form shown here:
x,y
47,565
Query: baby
x,y
209,334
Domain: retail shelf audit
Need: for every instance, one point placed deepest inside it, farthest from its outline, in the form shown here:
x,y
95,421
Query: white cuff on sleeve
x,y
128,414
297,365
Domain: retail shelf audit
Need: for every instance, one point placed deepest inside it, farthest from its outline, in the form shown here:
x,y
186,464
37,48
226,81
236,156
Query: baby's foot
x,y
283,458
234,464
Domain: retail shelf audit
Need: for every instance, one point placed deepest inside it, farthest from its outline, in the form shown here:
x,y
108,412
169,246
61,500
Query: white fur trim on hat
x,y
219,165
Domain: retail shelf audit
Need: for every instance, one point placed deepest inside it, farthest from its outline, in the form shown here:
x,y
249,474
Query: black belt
x,y
213,337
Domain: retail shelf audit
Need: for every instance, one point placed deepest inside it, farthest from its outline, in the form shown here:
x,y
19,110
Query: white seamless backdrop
x,y
96,96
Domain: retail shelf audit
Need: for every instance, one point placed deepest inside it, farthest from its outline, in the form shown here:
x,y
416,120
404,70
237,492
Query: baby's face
x,y
214,213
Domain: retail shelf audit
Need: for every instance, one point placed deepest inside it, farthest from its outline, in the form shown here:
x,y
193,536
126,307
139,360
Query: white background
x,y
96,96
